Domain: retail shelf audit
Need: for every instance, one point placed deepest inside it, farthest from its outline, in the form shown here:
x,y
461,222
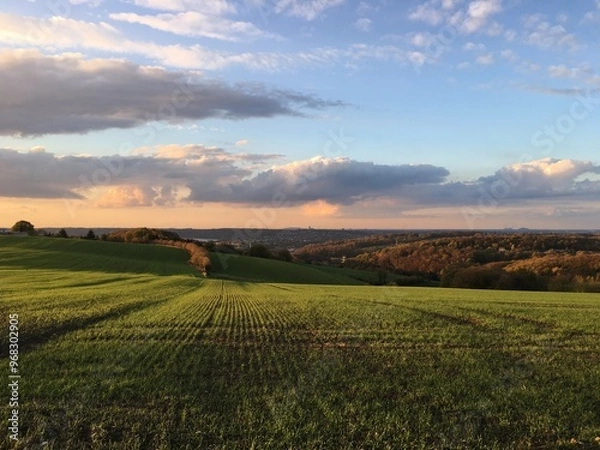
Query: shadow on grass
x,y
29,342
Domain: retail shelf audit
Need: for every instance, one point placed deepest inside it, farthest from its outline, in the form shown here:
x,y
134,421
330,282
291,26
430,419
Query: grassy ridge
x,y
137,361
97,256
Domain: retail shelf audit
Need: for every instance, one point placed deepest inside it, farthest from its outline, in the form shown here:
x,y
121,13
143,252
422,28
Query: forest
x,y
524,261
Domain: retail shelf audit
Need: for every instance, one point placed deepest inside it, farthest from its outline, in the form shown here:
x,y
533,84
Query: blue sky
x,y
370,114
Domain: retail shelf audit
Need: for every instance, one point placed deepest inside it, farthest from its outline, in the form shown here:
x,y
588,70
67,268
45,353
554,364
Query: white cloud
x,y
92,3
478,13
494,29
210,7
594,15
428,13
365,8
474,17
485,60
305,9
541,33
558,169
549,177
510,35
450,4
418,59
128,196
196,24
363,24
62,33
562,71
320,208
509,55
471,46
528,67
423,39
384,53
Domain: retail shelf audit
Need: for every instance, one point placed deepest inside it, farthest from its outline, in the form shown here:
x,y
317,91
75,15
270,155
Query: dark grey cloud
x,y
39,174
68,94
209,175
339,180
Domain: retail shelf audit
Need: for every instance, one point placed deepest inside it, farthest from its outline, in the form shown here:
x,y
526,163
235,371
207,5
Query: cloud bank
x,y
195,174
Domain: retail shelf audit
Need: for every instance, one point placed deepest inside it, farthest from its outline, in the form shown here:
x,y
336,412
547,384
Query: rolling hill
x,y
82,255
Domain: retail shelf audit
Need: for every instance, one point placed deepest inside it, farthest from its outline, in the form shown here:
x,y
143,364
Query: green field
x,y
260,270
125,347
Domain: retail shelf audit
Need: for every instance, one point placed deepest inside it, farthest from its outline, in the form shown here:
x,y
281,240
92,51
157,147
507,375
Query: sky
x,y
294,113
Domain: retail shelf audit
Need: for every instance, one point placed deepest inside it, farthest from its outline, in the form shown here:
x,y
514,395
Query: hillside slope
x,y
246,268
98,256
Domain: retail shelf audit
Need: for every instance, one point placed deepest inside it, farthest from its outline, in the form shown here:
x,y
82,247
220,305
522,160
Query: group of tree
x,y
23,226
199,256
142,235
62,233
490,277
262,251
540,261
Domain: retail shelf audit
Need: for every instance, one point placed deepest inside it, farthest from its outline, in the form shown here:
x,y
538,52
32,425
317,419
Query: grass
x,y
260,270
137,361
